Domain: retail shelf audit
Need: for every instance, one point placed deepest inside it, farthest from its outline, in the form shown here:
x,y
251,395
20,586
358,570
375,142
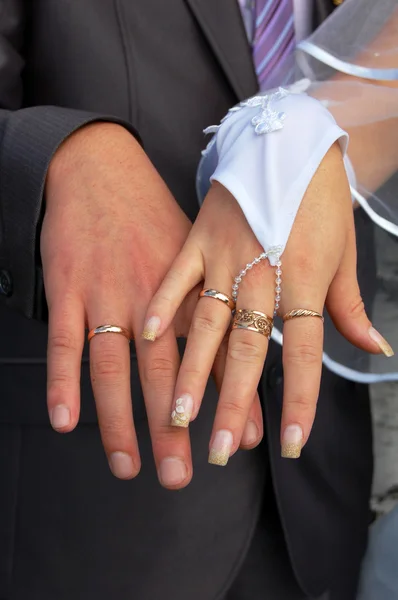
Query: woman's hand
x,y
319,266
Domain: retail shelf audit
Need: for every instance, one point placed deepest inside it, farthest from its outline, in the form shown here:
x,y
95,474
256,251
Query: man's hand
x,y
111,232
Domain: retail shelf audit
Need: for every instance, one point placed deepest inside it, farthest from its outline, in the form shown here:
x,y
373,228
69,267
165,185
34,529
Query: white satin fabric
x,y
268,173
345,65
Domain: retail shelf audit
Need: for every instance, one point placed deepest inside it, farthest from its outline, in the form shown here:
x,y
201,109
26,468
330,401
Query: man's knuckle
x,y
159,369
62,342
60,381
165,437
114,426
107,367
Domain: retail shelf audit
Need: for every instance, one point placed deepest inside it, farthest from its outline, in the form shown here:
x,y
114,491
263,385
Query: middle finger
x,y
253,432
246,355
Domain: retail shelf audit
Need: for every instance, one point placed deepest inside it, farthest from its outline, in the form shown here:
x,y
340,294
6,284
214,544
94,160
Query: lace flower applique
x,y
266,121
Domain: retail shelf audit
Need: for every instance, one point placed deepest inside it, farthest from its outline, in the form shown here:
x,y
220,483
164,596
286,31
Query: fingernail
x,y
60,416
292,441
121,465
250,434
381,342
221,448
182,412
172,471
151,329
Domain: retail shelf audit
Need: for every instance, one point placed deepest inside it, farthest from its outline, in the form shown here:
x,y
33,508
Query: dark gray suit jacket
x,y
164,69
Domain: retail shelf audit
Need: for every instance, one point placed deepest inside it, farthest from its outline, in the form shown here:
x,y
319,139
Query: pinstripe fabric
x,y
274,38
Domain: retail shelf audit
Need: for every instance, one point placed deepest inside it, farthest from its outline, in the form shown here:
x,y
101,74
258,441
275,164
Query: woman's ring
x,y
109,329
253,320
209,293
301,312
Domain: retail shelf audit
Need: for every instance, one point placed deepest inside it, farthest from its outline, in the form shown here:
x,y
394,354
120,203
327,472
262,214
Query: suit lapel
x,y
222,25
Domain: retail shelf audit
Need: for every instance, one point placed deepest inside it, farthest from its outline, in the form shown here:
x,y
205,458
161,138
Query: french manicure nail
x,y
250,435
221,448
151,329
292,441
121,465
60,416
381,342
182,412
172,471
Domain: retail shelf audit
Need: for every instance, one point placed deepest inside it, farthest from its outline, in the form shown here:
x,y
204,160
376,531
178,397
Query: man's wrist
x,y
96,139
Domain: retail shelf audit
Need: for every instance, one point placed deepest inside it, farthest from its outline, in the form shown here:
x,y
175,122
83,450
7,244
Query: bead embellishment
x,y
267,120
181,415
275,251
278,288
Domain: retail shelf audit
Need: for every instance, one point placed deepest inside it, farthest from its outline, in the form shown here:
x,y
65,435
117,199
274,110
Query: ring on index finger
x,y
210,293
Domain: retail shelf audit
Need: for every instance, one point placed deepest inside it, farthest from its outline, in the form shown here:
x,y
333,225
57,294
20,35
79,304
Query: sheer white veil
x,y
350,63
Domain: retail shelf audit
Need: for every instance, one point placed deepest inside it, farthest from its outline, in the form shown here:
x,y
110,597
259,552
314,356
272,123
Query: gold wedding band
x,y
301,312
209,293
109,329
253,320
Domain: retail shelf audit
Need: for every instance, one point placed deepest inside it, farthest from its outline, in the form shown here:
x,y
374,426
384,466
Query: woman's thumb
x,y
346,308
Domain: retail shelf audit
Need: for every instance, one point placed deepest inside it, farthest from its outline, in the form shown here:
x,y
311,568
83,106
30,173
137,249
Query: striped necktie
x,y
273,39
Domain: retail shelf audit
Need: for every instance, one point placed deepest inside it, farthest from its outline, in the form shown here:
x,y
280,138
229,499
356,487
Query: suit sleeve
x,y
29,137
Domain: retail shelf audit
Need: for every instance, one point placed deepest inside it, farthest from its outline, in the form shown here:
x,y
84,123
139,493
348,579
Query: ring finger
x,y
110,378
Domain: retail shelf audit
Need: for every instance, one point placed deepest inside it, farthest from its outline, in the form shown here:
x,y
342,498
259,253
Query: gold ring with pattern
x,y
301,312
209,293
109,329
253,320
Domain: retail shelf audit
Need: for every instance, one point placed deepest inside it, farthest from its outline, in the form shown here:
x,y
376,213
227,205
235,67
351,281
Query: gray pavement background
x,y
385,419
385,395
